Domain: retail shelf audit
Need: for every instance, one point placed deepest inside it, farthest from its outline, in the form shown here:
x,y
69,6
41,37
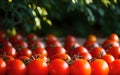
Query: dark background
x,y
61,17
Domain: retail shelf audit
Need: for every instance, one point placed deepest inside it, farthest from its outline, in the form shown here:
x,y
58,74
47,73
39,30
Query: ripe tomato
x,y
32,37
7,58
21,44
108,58
58,67
99,67
80,67
108,44
16,38
70,38
3,67
115,67
97,52
55,50
16,67
77,51
114,37
90,44
64,56
37,67
114,51
92,37
9,50
24,52
39,50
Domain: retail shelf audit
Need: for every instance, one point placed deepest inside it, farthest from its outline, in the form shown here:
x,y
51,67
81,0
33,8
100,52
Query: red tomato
x,y
108,58
80,67
114,37
90,44
70,38
3,67
9,50
50,38
64,56
108,44
16,67
55,50
92,37
32,37
7,58
86,55
37,67
39,50
99,67
24,52
58,67
77,51
16,38
115,67
21,44
114,51
97,52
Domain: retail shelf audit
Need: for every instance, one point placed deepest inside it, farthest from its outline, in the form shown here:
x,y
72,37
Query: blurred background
x,y
61,17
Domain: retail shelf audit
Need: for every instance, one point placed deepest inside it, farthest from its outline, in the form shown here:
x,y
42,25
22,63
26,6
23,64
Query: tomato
x,y
64,56
50,38
80,67
16,67
108,58
16,38
9,50
90,44
3,67
77,51
70,38
24,59
108,44
86,55
114,37
32,37
21,44
39,50
58,67
7,58
24,52
33,44
115,67
37,67
99,67
55,50
6,43
114,51
92,37
97,52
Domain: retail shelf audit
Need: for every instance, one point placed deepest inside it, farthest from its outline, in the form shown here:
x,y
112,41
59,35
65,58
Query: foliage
x,y
61,17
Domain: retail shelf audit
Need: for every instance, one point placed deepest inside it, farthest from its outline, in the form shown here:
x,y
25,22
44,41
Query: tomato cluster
x,y
31,55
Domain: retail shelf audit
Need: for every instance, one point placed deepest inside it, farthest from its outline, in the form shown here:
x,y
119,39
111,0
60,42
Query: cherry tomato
x,y
115,67
3,67
114,37
32,37
108,44
21,44
7,58
58,67
64,56
24,52
37,67
97,52
99,67
16,67
90,44
92,37
114,51
80,67
70,38
108,58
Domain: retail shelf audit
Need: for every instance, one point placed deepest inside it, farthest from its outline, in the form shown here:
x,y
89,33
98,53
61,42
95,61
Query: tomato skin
x,y
99,67
37,67
3,67
114,51
32,37
58,67
97,52
24,52
16,67
115,67
114,37
80,67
